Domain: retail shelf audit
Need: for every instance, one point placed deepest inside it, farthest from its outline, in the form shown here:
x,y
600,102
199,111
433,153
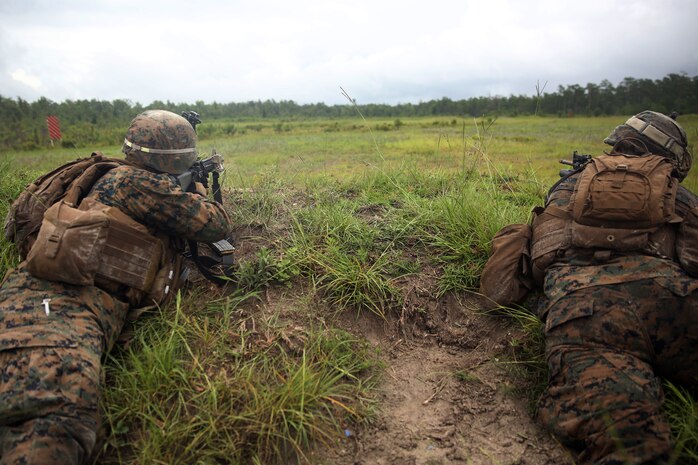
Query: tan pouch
x,y
131,255
506,278
625,192
69,244
550,236
616,239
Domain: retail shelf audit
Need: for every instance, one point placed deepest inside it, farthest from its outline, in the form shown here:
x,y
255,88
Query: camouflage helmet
x,y
162,141
657,133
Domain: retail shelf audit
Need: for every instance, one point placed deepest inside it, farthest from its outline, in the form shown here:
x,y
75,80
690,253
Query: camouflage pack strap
x,y
82,185
550,235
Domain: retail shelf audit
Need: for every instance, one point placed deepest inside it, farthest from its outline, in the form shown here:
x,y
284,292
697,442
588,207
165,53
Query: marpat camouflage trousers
x,y
50,357
48,405
606,347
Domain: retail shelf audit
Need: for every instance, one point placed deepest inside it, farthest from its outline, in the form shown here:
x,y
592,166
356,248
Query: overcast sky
x,y
379,51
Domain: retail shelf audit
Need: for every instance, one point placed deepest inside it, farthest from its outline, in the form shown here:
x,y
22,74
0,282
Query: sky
x,y
378,51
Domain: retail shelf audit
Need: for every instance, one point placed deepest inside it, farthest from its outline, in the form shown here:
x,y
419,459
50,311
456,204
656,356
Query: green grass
x,y
682,411
345,212
12,181
204,387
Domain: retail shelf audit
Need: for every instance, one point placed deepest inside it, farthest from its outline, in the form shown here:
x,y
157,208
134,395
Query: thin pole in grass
x,y
358,110
375,142
481,149
539,96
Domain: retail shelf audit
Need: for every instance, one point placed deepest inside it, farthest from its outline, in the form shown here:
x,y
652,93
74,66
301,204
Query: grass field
x,y
341,214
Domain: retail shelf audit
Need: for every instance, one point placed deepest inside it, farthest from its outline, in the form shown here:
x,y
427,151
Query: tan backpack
x,y
94,243
626,192
620,204
27,211
506,278
76,240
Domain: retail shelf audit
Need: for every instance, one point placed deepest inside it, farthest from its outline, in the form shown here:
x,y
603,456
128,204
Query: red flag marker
x,y
54,127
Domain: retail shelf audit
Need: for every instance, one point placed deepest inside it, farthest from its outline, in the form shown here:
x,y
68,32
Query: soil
x,y
449,393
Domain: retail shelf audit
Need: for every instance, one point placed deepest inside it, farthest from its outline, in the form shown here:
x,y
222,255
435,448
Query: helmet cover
x,y
656,133
162,141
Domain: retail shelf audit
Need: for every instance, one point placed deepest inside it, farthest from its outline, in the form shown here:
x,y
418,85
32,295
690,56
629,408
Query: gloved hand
x,y
200,189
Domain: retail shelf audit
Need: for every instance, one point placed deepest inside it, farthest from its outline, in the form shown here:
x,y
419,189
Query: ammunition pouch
x,y
69,245
98,245
131,255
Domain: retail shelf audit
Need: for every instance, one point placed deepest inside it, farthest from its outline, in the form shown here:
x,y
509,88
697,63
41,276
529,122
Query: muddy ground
x,y
449,392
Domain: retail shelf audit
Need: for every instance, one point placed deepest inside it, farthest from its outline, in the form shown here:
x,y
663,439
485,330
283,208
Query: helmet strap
x,y
639,144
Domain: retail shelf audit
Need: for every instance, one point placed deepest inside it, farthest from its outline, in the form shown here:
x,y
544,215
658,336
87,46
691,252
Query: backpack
x,y
69,184
73,180
626,192
620,204
87,243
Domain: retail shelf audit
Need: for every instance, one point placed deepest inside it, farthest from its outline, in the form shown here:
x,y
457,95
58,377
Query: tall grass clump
x,y
193,388
338,252
12,182
681,409
355,281
266,268
461,225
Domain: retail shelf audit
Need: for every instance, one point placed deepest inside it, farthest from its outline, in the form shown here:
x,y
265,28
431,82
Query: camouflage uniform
x,y
611,328
50,363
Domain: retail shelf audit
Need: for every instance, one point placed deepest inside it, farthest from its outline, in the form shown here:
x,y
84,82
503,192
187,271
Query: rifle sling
x,y
205,264
217,195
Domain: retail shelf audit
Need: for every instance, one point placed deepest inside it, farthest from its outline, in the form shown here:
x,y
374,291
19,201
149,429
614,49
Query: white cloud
x,y
379,50
25,78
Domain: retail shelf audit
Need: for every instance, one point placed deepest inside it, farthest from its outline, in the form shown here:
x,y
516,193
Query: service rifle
x,y
215,261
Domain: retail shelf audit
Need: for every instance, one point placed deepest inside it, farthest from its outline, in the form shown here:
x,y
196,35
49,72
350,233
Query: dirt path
x,y
447,397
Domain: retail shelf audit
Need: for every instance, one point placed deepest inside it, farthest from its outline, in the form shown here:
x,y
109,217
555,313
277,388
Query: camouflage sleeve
x,y
156,201
687,233
685,201
561,192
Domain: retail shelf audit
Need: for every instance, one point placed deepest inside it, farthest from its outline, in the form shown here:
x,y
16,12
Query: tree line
x,y
88,122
